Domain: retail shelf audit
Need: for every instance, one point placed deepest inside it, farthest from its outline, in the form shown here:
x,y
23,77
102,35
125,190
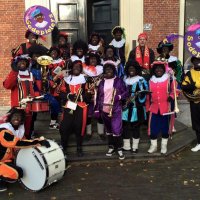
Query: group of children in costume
x,y
94,81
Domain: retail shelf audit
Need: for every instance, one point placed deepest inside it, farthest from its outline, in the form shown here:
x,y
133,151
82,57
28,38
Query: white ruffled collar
x,y
57,61
94,48
18,133
159,79
74,58
75,80
118,44
172,59
98,71
132,80
24,73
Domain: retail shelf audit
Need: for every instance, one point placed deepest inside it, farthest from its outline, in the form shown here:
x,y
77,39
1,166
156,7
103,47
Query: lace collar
x,y
132,80
75,80
18,133
159,79
118,44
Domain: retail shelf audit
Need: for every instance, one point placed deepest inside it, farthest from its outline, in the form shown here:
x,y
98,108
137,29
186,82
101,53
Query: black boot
x,y
79,152
3,186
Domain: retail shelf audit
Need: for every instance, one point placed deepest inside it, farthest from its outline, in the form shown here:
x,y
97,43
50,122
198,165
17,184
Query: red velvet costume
x,y
21,87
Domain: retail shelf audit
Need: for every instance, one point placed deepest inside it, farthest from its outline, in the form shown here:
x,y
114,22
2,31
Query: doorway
x,y
80,18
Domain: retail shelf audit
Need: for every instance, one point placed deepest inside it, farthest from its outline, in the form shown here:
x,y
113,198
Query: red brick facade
x,y
164,16
12,31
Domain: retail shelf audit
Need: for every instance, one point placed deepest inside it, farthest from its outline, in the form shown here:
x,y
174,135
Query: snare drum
x,y
38,106
41,166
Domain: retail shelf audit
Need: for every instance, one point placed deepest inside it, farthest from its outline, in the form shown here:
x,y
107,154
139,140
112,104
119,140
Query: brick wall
x,y
12,31
164,16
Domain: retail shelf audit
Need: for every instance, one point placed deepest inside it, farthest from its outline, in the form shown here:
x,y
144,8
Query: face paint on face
x,y
76,70
142,41
32,38
118,36
79,52
62,41
16,119
21,65
196,63
165,51
159,71
109,73
39,18
93,61
132,71
109,53
54,54
35,57
95,40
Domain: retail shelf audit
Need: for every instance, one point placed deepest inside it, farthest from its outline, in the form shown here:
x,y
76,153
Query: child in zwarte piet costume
x,y
111,92
119,43
134,113
95,44
21,83
109,54
64,46
74,98
42,87
79,52
191,88
162,89
93,71
54,68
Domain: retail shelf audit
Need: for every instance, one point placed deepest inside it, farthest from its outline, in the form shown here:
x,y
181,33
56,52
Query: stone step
x,y
95,149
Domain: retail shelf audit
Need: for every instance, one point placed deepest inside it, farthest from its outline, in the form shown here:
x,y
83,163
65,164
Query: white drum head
x,y
34,170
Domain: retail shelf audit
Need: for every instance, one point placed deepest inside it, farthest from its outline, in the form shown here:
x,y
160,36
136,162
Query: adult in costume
x,y
191,89
111,92
164,49
23,48
162,89
11,134
74,98
143,55
134,112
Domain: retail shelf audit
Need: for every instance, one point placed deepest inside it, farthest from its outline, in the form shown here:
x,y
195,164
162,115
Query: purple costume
x,y
113,125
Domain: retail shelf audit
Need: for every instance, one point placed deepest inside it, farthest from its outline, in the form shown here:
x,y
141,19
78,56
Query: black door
x,y
102,16
71,17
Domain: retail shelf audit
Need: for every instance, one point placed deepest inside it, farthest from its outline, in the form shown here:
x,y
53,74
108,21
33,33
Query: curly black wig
x,y
15,110
134,64
154,66
92,35
109,65
90,55
37,49
80,44
75,62
54,49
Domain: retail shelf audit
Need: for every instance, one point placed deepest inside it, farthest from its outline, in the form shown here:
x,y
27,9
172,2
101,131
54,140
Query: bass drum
x,y
41,166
